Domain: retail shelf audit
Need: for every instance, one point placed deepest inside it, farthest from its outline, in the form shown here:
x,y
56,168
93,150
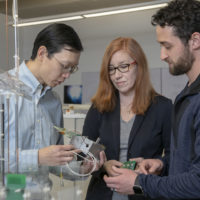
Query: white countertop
x,y
75,115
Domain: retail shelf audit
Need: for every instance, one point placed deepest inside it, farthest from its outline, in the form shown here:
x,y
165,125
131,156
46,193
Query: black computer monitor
x,y
72,94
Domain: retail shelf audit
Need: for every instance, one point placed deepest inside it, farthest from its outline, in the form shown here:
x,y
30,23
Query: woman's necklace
x,y
126,108
126,112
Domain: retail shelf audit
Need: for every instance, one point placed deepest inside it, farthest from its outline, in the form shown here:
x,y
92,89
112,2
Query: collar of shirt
x,y
30,80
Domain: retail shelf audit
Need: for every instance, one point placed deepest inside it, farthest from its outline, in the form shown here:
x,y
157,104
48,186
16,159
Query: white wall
x,y
96,34
3,43
6,45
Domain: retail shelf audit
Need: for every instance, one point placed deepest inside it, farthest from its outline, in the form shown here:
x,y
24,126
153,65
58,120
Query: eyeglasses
x,y
123,68
67,69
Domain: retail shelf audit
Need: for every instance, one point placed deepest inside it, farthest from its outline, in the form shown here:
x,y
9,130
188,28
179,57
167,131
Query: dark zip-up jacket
x,y
183,181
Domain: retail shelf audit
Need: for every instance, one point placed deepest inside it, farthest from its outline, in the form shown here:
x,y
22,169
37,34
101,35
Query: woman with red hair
x,y
127,114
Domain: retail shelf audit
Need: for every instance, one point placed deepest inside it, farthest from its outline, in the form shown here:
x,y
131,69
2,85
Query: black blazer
x,y
150,134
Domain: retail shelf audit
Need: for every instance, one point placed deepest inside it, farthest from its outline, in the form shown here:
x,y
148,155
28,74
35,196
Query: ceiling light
x,y
124,10
97,13
49,21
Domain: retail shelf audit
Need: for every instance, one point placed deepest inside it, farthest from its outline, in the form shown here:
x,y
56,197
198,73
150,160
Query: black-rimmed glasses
x,y
67,69
123,68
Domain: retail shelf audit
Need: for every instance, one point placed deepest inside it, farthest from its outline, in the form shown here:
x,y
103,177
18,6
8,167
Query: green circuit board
x,y
129,165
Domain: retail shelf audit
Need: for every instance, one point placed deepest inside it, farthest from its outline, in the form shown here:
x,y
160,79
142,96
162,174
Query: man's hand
x,y
108,167
150,166
138,160
123,183
56,155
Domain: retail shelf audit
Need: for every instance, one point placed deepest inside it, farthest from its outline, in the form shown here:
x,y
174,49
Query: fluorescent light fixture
x,y
31,23
96,14
124,10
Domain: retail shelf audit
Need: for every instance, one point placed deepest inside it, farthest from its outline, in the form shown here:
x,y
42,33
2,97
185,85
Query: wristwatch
x,y
137,188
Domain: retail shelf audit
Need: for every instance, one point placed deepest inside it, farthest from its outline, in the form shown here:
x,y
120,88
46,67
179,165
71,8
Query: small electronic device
x,y
137,188
129,165
86,145
82,142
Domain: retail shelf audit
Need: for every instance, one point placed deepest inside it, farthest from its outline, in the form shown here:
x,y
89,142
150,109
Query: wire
x,y
69,134
81,156
94,160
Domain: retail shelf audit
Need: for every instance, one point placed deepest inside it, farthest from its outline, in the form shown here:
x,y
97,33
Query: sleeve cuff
x,y
137,181
28,160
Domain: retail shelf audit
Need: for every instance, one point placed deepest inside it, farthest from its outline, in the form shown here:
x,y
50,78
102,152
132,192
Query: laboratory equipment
x,y
89,155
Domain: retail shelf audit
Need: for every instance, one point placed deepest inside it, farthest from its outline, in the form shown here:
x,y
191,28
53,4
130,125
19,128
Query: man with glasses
x,y
55,56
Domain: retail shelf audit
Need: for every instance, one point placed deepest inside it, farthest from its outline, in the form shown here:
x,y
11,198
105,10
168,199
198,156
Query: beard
x,y
183,64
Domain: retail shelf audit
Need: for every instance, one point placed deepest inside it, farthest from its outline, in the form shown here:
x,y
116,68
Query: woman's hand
x,y
108,167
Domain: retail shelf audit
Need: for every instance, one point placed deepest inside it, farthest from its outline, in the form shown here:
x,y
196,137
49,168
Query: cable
x,y
94,160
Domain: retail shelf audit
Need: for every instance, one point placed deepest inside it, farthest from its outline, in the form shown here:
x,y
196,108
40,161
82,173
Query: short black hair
x,y
182,15
55,37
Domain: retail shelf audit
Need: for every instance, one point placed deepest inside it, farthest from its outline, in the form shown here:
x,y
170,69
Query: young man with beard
x,y
178,32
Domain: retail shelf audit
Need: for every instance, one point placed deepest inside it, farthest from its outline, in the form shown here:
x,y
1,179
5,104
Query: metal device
x,y
86,145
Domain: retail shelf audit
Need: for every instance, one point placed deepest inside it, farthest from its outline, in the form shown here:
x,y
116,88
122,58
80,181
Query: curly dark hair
x,y
182,15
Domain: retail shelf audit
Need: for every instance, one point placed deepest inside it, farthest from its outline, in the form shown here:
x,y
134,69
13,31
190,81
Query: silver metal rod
x,y
16,134
15,19
8,109
2,145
